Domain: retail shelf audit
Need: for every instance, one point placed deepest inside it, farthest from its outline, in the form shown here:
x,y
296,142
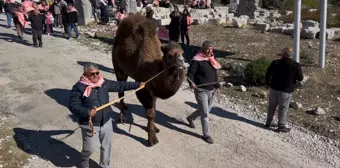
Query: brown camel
x,y
138,53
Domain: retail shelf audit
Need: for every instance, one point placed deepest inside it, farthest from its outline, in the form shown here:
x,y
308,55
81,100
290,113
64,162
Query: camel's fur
x,y
138,53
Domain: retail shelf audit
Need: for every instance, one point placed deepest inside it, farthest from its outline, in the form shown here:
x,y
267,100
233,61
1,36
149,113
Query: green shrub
x,y
255,71
308,57
237,70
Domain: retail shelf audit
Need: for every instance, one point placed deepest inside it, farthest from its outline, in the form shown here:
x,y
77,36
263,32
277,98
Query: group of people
x,y
180,24
92,90
43,17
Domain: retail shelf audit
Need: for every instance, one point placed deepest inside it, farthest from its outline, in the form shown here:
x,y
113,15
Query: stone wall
x,y
247,7
85,11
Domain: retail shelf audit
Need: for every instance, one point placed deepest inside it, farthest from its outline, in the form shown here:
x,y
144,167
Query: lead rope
x,y
118,99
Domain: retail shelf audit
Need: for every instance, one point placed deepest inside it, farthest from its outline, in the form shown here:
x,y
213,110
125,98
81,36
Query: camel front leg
x,y
122,107
152,130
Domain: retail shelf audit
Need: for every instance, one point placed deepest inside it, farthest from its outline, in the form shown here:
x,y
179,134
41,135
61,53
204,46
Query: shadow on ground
x,y
229,115
14,38
161,119
41,143
100,67
62,96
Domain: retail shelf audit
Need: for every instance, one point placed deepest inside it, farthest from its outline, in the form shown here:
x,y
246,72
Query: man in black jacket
x,y
203,70
281,77
90,92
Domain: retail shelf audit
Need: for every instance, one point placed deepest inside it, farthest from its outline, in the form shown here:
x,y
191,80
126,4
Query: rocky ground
x,y
35,88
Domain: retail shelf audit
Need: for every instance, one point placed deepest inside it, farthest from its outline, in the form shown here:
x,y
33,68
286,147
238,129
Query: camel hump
x,y
136,25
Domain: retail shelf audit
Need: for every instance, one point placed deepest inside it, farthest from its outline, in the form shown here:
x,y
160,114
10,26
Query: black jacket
x,y
9,8
282,75
36,21
202,72
72,17
81,105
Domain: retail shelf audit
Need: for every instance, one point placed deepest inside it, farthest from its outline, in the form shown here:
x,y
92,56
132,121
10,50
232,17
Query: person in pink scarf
x,y
92,91
19,20
43,9
203,70
72,21
120,15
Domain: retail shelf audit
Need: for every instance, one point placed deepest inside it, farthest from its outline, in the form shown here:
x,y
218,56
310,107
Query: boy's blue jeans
x,y
9,19
75,28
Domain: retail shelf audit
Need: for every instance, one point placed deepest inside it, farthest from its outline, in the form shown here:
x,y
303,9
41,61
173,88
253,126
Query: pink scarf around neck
x,y
73,9
84,80
202,57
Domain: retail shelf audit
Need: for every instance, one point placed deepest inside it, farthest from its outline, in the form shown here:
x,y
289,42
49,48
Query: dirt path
x,y
35,86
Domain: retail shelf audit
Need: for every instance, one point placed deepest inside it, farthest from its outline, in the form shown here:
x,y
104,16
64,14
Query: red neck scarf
x,y
84,80
202,57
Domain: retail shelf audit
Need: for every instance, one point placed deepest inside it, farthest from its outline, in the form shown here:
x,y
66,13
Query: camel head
x,y
173,55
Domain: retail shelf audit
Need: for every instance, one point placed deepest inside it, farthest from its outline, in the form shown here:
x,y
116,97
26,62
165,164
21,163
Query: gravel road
x,y
35,86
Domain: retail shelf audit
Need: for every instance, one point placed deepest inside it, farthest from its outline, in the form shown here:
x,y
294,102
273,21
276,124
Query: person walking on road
x,y
281,76
203,70
91,91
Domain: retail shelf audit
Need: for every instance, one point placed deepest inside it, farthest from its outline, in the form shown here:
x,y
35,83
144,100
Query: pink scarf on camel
x,y
202,57
84,80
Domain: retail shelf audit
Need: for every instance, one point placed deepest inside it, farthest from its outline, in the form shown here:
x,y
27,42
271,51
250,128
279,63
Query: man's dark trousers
x,y
37,37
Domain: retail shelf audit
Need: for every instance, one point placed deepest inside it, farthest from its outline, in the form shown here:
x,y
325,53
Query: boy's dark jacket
x,y
72,17
36,21
81,106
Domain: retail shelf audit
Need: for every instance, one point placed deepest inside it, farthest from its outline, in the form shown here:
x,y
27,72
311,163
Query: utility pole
x,y
322,35
297,21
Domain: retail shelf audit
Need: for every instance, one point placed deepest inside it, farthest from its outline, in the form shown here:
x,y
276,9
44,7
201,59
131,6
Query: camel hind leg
x,y
149,103
121,76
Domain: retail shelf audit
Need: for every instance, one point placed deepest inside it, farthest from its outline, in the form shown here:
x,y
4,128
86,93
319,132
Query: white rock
x,y
330,34
200,21
319,111
310,32
277,29
91,34
288,31
217,21
240,22
296,105
263,27
243,88
230,85
309,23
163,22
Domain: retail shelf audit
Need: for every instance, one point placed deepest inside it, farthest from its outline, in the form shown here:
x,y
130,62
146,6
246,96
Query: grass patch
x,y
11,155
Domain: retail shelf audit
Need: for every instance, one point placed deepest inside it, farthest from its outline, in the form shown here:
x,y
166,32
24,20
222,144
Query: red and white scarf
x,y
202,57
84,80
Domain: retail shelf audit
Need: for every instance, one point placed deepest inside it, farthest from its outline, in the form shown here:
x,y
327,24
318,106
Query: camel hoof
x,y
121,119
157,130
153,138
